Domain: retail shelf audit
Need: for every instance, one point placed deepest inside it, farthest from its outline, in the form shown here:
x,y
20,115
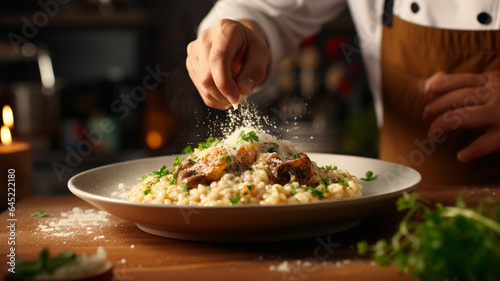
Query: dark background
x,y
101,52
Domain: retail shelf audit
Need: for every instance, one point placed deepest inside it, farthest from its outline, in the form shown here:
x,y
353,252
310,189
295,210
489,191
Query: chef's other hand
x,y
228,59
466,101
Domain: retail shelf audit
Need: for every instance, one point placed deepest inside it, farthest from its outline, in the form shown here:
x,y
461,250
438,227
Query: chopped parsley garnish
x,y
249,137
174,178
147,191
346,184
235,199
208,143
316,192
228,168
325,182
177,161
436,242
369,176
328,168
249,187
184,186
227,158
41,214
43,265
271,149
162,172
296,156
188,149
294,189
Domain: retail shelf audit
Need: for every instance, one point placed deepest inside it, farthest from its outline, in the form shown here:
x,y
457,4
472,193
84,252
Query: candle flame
x,y
8,117
5,136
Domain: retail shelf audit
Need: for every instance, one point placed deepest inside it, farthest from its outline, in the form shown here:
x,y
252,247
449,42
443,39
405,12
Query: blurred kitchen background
x,y
93,82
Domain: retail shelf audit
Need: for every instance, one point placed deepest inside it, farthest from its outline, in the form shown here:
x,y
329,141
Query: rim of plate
x,y
378,196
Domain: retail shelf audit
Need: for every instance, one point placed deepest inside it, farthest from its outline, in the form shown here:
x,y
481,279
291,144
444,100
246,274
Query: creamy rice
x,y
259,170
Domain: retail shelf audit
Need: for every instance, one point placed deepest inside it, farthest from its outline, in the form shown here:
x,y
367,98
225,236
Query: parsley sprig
x,y
450,243
208,143
160,173
248,137
188,150
320,193
44,264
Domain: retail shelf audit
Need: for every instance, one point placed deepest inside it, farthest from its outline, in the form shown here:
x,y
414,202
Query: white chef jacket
x,y
287,22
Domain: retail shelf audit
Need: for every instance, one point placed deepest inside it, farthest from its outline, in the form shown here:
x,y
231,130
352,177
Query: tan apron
x,y
411,53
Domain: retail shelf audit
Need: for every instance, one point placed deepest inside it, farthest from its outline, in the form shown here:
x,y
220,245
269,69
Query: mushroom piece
x,y
191,178
187,171
297,170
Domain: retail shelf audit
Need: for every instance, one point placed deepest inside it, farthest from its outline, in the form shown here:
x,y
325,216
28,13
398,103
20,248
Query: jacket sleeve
x,y
285,22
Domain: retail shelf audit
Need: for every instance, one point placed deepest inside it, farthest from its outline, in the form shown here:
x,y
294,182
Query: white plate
x,y
245,223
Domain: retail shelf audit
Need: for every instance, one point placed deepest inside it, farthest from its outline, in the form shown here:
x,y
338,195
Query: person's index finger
x,y
222,54
441,83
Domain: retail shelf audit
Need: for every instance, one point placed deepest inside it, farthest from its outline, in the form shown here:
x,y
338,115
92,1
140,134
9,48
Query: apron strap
x,y
387,15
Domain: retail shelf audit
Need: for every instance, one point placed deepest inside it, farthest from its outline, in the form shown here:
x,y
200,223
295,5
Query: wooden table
x,y
137,255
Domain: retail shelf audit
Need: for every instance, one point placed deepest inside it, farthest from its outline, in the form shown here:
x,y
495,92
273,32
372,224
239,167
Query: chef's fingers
x,y
441,83
469,118
200,73
224,49
487,143
452,100
463,118
211,96
255,60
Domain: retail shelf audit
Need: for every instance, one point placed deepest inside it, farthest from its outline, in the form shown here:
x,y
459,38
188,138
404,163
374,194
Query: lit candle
x,y
16,166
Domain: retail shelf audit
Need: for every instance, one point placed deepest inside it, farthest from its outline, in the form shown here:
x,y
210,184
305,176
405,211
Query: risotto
x,y
247,167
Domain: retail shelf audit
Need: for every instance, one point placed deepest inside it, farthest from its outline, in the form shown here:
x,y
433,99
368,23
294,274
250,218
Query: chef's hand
x,y
465,101
227,60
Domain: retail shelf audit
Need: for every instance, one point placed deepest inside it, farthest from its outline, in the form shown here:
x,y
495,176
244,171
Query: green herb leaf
x,y
271,149
249,137
328,168
162,172
41,214
319,193
184,186
368,176
235,199
208,143
188,150
44,264
436,242
177,161
147,191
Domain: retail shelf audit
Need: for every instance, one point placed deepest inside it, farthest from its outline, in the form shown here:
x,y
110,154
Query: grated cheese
x,y
72,221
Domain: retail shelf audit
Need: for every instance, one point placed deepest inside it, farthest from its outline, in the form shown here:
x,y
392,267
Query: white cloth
x,y
287,22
